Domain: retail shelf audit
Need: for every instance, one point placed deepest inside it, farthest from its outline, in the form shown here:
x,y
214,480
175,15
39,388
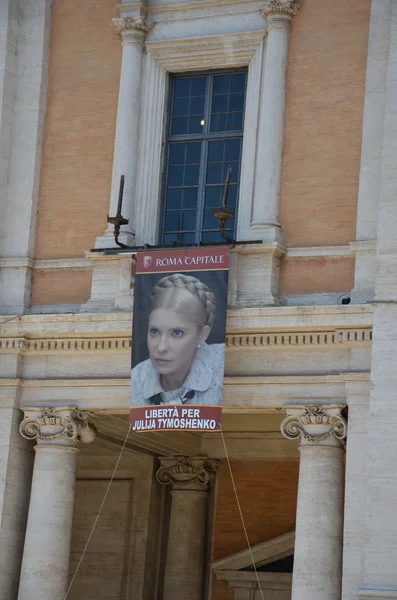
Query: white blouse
x,y
203,385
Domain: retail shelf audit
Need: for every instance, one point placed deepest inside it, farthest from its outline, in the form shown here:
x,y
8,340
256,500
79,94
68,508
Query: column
x,y
319,515
184,570
267,181
133,31
45,562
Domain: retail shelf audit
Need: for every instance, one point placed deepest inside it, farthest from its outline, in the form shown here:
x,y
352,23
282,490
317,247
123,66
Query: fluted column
x,y
267,182
319,515
133,31
45,562
184,571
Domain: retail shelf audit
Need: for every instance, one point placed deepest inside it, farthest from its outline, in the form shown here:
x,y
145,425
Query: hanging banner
x,y
178,340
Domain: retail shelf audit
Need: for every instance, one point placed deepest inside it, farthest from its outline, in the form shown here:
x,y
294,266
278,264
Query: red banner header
x,y
171,416
188,259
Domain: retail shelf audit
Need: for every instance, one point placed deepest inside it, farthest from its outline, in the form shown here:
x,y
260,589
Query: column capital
x,y
64,425
279,13
186,472
137,26
315,425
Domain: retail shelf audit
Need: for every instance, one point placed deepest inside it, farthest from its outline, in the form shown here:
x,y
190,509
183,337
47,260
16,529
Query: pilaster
x,y
133,30
278,15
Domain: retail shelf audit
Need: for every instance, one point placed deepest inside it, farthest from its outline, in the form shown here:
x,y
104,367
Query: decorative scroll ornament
x,y
185,472
50,424
314,417
282,6
133,24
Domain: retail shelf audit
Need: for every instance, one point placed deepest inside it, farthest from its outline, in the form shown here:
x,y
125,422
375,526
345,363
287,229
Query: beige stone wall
x,y
85,55
267,492
322,145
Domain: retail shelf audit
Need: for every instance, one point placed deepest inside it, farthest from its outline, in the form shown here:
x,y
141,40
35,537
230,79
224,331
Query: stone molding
x,y
234,340
277,7
263,553
193,10
48,424
376,594
191,473
134,24
202,52
314,423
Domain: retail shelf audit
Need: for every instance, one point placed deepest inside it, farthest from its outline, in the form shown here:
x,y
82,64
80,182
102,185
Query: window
x,y
205,136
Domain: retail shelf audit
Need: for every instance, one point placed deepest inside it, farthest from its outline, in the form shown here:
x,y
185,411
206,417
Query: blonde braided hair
x,y
170,292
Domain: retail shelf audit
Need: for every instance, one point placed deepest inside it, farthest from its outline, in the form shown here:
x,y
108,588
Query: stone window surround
x,y
194,54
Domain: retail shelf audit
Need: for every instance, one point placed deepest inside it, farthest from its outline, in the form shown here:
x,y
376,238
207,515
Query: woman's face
x,y
172,340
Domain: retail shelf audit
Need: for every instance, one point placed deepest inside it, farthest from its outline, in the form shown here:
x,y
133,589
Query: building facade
x,y
300,98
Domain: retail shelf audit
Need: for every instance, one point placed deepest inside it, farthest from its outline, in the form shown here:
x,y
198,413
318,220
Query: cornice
x,y
192,10
251,393
235,49
236,339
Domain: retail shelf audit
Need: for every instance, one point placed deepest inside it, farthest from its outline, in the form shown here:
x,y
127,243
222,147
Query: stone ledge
x,y
235,340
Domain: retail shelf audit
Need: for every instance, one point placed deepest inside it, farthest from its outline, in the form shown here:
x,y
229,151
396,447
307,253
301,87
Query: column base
x,y
266,232
107,239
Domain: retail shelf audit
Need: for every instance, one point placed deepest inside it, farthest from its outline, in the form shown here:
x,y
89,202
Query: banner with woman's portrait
x,y
178,339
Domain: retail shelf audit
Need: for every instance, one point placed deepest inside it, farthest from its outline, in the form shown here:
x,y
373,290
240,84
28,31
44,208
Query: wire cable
x,y
241,514
98,515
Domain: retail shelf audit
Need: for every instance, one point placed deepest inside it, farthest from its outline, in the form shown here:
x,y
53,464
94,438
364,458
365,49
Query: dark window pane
x,y
173,199
220,103
215,173
179,125
169,238
221,84
209,222
188,219
182,87
232,150
191,176
187,239
190,197
215,151
193,153
237,82
199,85
177,154
236,102
215,236
235,121
218,122
213,196
195,125
172,220
197,106
175,176
186,200
180,107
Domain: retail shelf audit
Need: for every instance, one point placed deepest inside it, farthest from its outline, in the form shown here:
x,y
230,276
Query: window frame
x,y
201,137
